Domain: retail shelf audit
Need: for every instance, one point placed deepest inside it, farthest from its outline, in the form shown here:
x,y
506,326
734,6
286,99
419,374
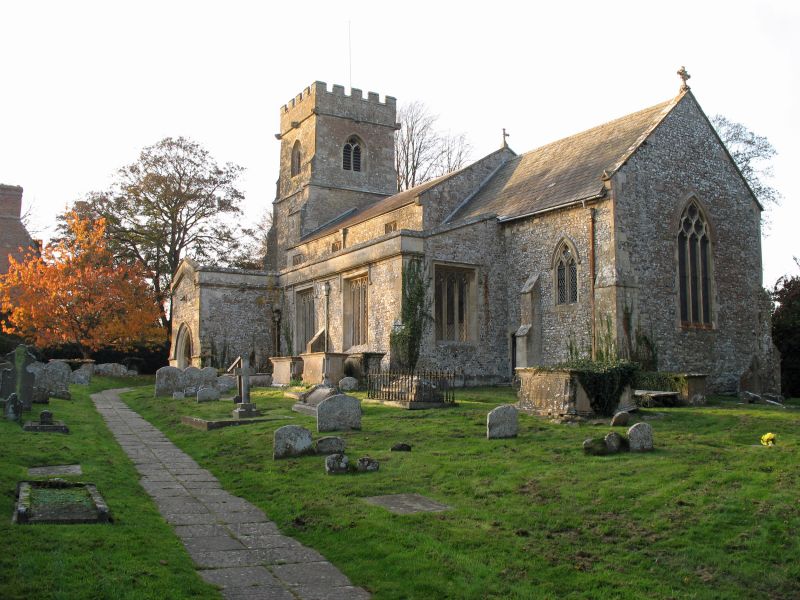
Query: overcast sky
x,y
85,85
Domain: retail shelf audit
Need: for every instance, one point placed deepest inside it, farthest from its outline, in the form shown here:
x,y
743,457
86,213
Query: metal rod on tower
x,y
350,54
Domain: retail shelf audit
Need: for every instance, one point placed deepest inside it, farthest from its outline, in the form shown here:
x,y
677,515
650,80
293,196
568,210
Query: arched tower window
x,y
296,156
694,267
351,154
566,275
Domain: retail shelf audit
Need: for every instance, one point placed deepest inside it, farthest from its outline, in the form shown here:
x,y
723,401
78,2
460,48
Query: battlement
x,y
317,99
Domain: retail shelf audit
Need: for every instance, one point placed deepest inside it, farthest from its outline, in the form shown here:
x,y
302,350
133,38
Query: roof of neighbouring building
x,y
565,171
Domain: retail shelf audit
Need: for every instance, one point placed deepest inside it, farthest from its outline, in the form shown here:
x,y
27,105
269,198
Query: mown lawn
x,y
137,556
707,515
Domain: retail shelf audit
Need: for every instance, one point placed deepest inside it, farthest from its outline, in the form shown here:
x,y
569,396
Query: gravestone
x,y
111,370
17,379
52,379
640,437
59,501
242,370
330,445
55,470
83,376
13,408
46,424
367,464
207,394
620,419
168,380
339,413
291,440
225,383
261,380
309,401
407,504
502,422
348,384
401,447
245,410
615,442
336,464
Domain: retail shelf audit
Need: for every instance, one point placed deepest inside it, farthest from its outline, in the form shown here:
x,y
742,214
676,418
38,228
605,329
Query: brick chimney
x,y
10,201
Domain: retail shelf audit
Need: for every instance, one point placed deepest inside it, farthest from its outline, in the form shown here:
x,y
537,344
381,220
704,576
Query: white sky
x,y
85,85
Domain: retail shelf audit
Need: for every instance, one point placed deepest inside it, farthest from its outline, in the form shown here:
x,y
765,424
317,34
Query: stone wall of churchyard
x,y
683,159
531,246
485,357
236,316
383,305
186,313
406,217
444,198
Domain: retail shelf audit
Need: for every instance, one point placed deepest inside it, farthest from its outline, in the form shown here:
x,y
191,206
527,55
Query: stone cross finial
x,y
684,75
505,138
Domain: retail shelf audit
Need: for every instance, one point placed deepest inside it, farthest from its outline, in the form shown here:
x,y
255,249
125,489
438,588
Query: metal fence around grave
x,y
412,386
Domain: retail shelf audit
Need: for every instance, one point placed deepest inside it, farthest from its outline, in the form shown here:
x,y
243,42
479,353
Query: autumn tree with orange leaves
x,y
76,292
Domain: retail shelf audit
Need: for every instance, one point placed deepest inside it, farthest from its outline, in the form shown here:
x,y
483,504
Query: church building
x,y
639,236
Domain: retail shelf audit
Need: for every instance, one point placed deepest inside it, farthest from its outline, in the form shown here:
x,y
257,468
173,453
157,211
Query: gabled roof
x,y
380,207
566,171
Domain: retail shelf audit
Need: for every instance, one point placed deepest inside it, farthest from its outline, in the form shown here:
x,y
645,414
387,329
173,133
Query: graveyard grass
x,y
710,514
137,556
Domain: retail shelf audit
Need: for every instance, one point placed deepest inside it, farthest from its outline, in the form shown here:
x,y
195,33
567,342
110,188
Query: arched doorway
x,y
183,347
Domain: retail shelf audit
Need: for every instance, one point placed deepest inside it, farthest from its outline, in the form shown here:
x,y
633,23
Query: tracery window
x,y
453,303
566,275
694,267
357,311
306,318
351,154
296,156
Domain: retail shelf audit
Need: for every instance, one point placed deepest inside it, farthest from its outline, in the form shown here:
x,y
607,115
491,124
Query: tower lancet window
x,y
296,156
351,154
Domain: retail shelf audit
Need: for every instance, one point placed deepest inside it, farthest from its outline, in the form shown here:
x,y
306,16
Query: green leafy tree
x,y
406,339
786,331
174,201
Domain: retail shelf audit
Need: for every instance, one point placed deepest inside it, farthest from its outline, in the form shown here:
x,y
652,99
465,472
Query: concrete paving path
x,y
232,543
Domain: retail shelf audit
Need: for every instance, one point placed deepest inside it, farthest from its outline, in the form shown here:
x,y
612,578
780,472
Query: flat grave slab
x,y
208,425
59,502
55,470
407,504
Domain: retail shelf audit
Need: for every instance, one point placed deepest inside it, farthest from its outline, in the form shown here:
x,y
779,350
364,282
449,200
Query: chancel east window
x,y
694,267
357,311
296,155
453,303
351,155
305,318
566,275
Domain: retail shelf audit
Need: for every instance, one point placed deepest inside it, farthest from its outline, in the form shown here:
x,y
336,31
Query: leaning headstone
x,y
339,413
13,408
367,464
207,394
595,447
620,419
225,383
81,377
330,445
640,437
348,384
502,422
18,379
336,464
168,380
615,442
291,440
309,401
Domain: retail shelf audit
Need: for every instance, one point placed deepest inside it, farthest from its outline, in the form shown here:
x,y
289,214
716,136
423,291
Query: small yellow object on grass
x,y
768,439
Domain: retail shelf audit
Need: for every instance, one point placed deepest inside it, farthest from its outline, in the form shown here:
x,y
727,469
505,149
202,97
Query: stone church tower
x,y
337,156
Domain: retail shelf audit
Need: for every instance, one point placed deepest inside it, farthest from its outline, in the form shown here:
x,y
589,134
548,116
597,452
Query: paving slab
x,y
55,470
232,542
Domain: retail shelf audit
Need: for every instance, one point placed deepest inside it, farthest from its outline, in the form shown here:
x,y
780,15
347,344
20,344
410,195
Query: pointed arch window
x,y
296,157
566,275
351,154
694,267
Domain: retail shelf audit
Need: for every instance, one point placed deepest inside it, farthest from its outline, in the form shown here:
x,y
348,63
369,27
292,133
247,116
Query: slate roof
x,y
565,171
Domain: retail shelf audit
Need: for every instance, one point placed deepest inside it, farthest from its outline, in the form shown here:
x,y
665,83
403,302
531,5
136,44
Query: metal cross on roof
x,y
684,75
505,136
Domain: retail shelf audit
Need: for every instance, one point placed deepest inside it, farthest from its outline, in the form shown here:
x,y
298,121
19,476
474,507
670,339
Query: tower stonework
x,y
314,186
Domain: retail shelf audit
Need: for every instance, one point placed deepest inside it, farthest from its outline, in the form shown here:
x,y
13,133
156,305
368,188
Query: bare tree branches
x,y
751,153
421,151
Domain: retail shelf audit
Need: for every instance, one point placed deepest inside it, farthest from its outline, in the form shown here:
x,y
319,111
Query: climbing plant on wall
x,y
406,338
